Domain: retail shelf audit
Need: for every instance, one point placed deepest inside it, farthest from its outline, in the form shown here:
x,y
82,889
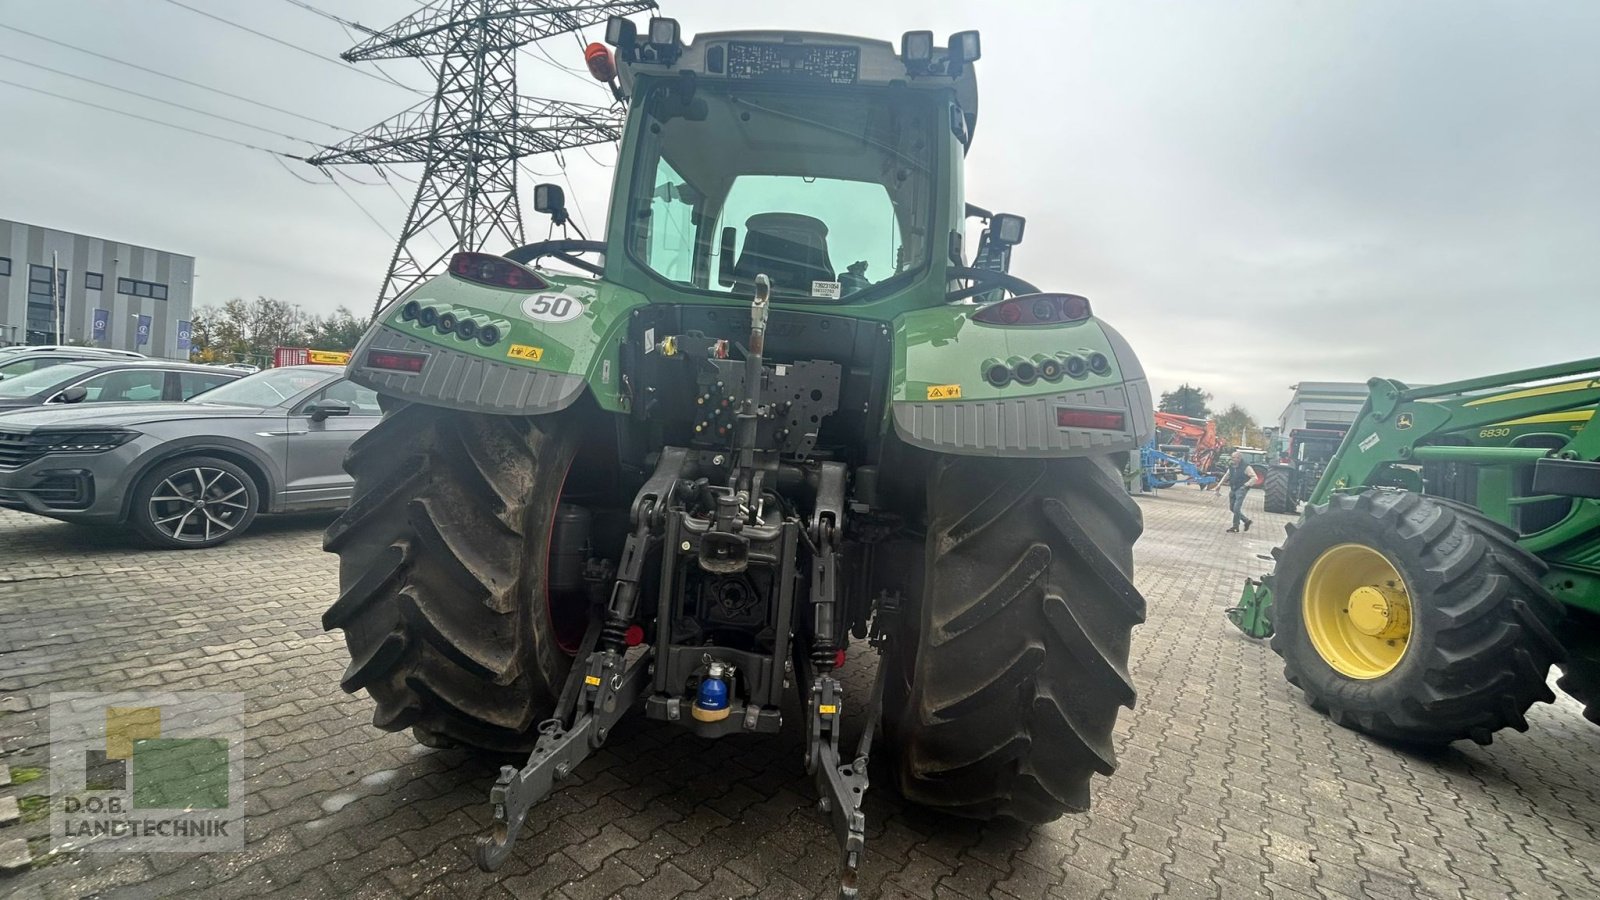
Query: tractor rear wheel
x,y
1010,654
1277,491
1413,619
442,554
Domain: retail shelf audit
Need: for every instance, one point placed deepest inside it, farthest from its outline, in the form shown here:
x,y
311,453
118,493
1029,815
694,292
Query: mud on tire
x,y
1010,661
441,573
1483,627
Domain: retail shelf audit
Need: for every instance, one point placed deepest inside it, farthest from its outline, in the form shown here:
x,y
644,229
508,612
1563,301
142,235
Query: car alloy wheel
x,y
199,504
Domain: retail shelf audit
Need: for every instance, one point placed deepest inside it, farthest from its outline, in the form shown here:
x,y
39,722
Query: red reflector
x,y
1035,309
495,271
634,636
397,360
838,659
1088,418
599,61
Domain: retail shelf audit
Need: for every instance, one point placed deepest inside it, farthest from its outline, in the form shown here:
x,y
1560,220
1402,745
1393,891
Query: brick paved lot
x,y
1229,785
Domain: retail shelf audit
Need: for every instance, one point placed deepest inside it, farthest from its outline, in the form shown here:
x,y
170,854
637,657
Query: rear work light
x,y
396,360
1089,418
1035,309
495,271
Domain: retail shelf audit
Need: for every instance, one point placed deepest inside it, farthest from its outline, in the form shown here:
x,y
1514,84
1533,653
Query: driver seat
x,y
791,249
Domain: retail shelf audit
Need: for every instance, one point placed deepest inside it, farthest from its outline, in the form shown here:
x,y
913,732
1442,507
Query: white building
x,y
106,294
1323,404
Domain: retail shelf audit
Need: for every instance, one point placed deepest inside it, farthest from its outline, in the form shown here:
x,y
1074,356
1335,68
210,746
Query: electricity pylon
x,y
469,135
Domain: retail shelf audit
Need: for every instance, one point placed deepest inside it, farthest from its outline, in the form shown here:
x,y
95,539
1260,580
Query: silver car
x,y
191,474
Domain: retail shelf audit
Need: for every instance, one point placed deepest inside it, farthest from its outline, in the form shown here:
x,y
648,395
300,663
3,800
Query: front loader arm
x,y
1397,422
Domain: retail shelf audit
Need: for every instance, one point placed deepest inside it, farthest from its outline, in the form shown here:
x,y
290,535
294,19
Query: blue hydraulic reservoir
x,y
711,701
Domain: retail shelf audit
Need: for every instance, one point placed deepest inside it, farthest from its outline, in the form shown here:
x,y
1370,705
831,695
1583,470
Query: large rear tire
x,y
1277,491
1413,619
1580,674
1010,659
441,573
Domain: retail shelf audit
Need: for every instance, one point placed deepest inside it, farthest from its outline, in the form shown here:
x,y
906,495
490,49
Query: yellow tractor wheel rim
x,y
1357,611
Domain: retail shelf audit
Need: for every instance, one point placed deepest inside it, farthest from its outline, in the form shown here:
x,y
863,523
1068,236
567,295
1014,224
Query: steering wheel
x,y
562,250
984,281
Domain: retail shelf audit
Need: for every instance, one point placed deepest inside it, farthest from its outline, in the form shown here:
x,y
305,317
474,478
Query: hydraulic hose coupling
x,y
996,372
1023,370
711,701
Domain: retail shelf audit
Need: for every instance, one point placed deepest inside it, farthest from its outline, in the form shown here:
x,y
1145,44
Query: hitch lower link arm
x,y
608,691
597,693
842,786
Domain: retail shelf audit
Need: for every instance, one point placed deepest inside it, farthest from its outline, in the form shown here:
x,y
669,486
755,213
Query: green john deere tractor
x,y
777,412
1448,557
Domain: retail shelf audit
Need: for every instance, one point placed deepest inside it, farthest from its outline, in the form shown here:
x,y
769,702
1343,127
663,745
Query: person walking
x,y
1239,479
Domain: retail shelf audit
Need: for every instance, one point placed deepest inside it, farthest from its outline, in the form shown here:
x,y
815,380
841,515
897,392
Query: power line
x,y
296,47
330,16
351,197
111,109
204,87
155,99
349,28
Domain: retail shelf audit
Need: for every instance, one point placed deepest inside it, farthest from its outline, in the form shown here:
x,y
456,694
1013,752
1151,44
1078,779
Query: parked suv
x,y
190,474
16,361
111,381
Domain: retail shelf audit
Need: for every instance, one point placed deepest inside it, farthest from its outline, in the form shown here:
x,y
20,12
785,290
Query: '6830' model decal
x,y
552,308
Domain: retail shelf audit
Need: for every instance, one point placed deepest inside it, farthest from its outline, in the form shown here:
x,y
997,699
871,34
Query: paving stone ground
x,y
1229,785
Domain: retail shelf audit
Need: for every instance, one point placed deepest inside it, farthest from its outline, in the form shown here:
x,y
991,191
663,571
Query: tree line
x,y
248,331
1235,425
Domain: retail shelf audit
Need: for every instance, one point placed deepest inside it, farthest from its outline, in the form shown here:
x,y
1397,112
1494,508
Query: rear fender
x,y
941,400
552,345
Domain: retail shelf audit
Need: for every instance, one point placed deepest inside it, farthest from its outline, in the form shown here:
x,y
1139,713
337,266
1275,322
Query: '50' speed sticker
x,y
552,308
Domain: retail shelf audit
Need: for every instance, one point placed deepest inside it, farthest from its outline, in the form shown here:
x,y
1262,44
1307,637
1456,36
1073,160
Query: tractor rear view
x,y
1289,482
1448,557
775,413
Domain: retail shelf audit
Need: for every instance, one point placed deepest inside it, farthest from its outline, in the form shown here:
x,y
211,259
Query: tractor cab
x,y
828,163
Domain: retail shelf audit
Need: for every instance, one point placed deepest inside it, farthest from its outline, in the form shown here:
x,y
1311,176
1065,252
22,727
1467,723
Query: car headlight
x,y
79,441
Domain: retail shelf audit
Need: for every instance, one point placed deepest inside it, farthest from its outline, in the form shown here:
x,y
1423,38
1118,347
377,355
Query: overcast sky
x,y
1256,192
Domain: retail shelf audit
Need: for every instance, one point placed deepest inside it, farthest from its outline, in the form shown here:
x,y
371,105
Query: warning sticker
x,y
944,391
523,351
1368,442
828,289
827,709
591,680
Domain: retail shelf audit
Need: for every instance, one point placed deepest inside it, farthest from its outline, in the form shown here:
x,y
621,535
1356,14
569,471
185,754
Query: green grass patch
x,y
34,807
39,848
24,774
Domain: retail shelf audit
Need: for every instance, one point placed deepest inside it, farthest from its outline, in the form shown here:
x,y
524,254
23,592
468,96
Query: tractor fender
x,y
942,400
551,345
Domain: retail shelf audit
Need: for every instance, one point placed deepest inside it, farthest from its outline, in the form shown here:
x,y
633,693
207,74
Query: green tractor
x,y
773,413
1448,557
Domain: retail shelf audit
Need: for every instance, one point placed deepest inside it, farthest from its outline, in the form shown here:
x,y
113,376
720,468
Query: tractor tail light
x,y
1035,309
1089,418
600,63
397,360
495,271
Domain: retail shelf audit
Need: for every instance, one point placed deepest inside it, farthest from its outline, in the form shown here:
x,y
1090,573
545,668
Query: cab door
x,y
318,441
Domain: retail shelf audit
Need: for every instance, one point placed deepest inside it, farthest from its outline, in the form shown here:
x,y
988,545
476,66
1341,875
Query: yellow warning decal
x,y
827,709
944,391
523,351
591,680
